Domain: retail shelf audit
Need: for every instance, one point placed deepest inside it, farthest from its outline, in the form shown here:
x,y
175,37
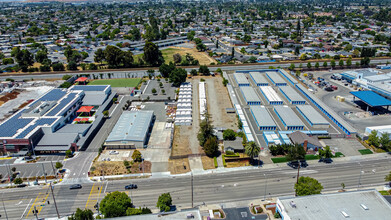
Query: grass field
x,y
365,151
133,82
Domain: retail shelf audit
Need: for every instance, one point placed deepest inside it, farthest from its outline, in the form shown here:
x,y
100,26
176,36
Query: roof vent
x,y
293,205
364,207
345,214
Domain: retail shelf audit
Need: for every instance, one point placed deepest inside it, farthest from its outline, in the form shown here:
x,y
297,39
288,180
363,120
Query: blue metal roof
x,y
53,95
90,88
371,98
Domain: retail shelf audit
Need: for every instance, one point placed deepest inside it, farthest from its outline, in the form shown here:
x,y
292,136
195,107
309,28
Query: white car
x,y
113,152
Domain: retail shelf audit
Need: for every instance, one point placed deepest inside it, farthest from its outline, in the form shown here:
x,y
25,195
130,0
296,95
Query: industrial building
x,y
131,130
288,117
59,120
287,76
263,119
271,96
342,124
371,99
183,115
293,97
250,95
241,79
275,78
358,205
271,138
259,78
314,118
384,129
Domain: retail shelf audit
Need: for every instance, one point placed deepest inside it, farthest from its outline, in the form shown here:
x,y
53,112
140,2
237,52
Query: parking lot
x,y
169,91
351,111
29,169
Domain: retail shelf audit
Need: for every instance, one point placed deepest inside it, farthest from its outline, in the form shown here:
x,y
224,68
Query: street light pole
x,y
54,172
44,173
359,179
192,191
54,200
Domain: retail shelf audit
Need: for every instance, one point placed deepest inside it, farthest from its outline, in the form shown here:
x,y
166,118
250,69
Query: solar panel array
x,y
39,122
53,95
11,126
57,109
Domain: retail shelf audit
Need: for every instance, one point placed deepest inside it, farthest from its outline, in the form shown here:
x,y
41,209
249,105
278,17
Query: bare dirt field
x,y
202,57
108,168
180,144
218,100
207,163
178,166
5,98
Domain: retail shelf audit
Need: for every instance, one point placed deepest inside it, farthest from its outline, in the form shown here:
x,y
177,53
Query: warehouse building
x,y
293,97
342,124
259,78
241,79
57,121
275,78
288,117
314,118
358,205
287,76
250,96
263,119
131,130
271,96
271,138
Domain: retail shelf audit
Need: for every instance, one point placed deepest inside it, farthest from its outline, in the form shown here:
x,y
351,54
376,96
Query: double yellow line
x,y
94,195
39,201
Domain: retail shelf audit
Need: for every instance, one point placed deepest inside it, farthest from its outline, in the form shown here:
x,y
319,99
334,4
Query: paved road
x,y
216,188
140,73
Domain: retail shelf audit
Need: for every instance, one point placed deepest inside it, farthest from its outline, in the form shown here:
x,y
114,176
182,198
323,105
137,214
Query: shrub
x,y
215,162
224,163
228,152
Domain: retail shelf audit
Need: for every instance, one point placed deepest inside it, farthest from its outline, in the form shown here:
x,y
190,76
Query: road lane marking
x,y
40,197
89,196
33,205
26,209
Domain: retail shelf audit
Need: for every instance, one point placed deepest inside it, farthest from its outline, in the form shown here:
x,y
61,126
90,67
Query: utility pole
x,y
35,211
359,179
9,173
54,172
192,191
44,173
5,211
54,200
298,174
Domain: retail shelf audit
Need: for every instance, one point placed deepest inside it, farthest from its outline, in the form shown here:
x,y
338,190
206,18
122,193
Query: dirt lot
x,y
117,168
202,57
178,166
208,163
218,100
180,144
5,98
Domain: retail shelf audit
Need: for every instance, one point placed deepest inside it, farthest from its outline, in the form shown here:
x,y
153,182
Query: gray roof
x,y
291,94
74,128
250,94
299,137
93,99
236,144
331,205
328,109
57,139
259,78
288,116
312,115
262,116
131,126
275,77
241,78
287,75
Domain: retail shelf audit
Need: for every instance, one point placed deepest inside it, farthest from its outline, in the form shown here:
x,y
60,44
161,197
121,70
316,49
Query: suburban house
x,y
304,140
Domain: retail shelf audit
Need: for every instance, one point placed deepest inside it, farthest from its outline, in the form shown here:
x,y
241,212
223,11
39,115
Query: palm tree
x,y
252,150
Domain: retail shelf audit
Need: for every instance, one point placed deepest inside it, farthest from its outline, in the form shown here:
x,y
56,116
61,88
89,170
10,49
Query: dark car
x,y
131,186
293,164
75,186
22,185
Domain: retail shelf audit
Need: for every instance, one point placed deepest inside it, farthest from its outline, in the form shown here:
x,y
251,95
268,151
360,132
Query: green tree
x,y
58,165
85,214
349,62
92,66
373,139
229,134
72,65
204,70
136,156
99,56
332,63
194,72
113,55
166,69
68,153
317,65
24,59
295,152
58,67
341,63
325,153
18,181
178,76
211,146
153,91
252,149
308,186
365,61
292,67
139,211
164,202
152,55
177,58
384,141
309,65
115,204
41,56
206,130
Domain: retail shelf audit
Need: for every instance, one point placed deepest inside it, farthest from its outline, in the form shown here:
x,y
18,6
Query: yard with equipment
x,y
132,82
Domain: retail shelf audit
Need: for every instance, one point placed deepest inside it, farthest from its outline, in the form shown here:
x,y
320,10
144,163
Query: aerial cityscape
x,y
195,109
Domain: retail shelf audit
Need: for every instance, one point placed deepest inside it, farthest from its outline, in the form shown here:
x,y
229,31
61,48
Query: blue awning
x,y
371,98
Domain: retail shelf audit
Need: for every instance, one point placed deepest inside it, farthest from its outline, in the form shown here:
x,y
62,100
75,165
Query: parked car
x,y
113,152
131,186
328,88
22,185
75,186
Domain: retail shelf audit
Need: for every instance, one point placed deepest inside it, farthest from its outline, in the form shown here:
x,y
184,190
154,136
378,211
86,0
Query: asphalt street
x,y
217,188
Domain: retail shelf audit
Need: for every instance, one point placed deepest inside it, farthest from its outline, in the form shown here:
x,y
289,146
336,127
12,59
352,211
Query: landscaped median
x,y
365,151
